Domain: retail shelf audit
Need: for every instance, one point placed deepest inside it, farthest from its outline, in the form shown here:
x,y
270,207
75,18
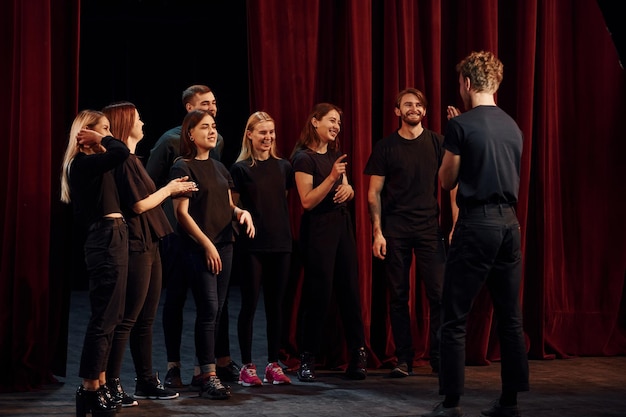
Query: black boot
x,y
93,402
306,372
357,368
111,398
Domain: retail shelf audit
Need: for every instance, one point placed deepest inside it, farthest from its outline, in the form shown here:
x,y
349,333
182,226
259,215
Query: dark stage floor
x,y
589,387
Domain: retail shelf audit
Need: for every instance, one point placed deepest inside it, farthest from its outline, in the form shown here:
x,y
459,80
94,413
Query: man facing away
x,y
162,156
404,212
483,156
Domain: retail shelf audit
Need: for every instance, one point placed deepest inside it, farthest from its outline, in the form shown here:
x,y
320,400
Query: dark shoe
x,y
152,389
173,379
115,388
214,390
306,372
228,373
401,370
497,410
357,368
111,397
197,381
441,411
93,402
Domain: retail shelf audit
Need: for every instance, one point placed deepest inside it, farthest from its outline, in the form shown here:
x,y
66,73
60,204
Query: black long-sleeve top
x,y
92,185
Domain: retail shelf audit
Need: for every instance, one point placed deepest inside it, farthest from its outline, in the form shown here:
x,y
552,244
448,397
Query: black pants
x,y
143,290
175,296
270,270
485,250
209,291
106,260
330,264
430,258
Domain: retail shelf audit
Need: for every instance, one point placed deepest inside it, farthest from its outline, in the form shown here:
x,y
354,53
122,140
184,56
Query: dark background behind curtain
x,y
563,84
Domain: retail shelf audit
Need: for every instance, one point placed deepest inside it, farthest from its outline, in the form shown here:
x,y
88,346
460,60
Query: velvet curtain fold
x,y
39,52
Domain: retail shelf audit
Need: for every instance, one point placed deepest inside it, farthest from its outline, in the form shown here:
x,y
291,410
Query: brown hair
x,y
188,149
121,115
191,91
309,137
420,96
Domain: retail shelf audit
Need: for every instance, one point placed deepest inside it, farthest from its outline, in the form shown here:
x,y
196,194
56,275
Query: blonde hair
x,y
247,152
86,118
484,70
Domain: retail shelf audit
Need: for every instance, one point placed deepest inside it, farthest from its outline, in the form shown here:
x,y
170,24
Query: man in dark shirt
x,y
404,211
483,156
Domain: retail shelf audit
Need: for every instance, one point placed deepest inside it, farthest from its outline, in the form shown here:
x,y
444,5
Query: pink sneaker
x,y
274,374
248,376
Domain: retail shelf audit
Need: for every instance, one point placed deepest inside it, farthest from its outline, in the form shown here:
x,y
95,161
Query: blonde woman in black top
x,y
262,180
87,183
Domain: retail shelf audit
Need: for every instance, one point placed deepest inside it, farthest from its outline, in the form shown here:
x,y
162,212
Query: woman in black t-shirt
x,y
204,222
262,180
327,240
147,224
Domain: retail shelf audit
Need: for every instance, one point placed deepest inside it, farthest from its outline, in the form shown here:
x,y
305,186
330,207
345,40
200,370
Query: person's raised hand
x,y
452,112
339,167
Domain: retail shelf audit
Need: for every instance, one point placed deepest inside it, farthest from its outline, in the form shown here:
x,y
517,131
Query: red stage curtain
x,y
37,84
574,266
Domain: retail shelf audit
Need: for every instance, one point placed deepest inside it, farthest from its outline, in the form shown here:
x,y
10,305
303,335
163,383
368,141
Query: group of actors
x,y
176,218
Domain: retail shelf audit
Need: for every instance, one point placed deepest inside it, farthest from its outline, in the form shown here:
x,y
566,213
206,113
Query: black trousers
x,y
430,259
106,260
485,250
271,271
143,291
330,264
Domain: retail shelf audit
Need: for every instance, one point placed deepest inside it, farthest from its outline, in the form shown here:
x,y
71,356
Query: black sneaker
x,y
401,370
441,411
115,387
228,373
497,410
173,379
152,389
214,390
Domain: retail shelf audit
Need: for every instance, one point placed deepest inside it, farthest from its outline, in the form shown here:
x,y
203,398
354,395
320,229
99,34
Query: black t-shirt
x,y
262,190
490,144
409,195
319,165
134,184
210,205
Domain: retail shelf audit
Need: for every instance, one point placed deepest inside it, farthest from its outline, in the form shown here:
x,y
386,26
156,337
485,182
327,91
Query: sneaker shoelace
x,y
216,383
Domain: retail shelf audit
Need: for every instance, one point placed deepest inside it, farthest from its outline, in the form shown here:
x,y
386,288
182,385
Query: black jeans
x,y
143,290
177,286
106,260
485,250
209,291
430,258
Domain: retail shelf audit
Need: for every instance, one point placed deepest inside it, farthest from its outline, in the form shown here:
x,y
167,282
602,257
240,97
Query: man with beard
x,y
404,212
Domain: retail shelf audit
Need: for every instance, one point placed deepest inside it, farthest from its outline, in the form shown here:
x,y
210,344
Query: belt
x,y
474,208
